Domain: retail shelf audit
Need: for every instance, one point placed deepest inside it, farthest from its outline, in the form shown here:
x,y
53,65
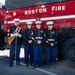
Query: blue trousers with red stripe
x,y
28,52
51,52
17,53
37,50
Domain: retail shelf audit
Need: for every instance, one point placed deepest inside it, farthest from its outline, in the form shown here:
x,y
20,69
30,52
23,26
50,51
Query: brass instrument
x,y
10,39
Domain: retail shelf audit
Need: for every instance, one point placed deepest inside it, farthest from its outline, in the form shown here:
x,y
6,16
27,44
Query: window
x,y
12,4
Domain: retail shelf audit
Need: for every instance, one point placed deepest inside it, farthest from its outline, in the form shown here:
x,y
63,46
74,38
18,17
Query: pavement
x,y
63,67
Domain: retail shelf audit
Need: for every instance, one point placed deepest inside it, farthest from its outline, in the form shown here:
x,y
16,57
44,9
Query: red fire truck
x,y
61,12
2,16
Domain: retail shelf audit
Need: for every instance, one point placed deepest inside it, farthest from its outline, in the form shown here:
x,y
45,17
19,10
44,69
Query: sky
x,y
2,1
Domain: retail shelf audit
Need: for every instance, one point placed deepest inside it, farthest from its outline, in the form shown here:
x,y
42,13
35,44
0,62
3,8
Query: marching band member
x,y
50,39
38,35
15,31
28,46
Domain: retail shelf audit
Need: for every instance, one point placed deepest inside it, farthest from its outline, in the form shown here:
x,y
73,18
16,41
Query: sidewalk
x,y
6,53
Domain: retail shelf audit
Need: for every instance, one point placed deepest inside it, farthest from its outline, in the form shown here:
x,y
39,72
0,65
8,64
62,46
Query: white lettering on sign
x,y
58,8
42,10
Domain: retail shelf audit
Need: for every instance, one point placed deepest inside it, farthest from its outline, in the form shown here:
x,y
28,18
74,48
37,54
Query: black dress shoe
x,y
55,67
10,65
27,65
18,64
34,66
31,64
48,66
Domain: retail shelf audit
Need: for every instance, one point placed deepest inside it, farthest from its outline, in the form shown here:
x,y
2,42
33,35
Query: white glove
x,y
52,44
19,35
12,35
30,41
16,34
39,42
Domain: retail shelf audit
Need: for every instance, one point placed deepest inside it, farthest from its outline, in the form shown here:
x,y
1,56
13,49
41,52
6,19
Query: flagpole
x,y
15,51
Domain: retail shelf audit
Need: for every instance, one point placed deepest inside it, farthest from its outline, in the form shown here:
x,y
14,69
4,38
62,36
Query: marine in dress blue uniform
x,y
38,35
16,43
28,44
50,39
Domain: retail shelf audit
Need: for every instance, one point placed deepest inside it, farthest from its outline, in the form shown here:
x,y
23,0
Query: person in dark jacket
x,y
38,35
15,31
50,40
28,44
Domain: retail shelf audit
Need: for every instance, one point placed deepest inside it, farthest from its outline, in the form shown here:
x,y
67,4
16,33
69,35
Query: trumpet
x,y
10,39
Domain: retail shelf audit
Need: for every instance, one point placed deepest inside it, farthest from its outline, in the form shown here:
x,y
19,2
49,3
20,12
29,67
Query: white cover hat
x,y
50,23
16,20
29,22
38,22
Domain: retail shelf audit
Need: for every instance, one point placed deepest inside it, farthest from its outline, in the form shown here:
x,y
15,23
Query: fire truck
x,y
2,16
61,12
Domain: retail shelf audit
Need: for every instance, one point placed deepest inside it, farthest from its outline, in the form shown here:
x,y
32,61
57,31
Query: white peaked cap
x,y
38,22
29,22
50,23
16,20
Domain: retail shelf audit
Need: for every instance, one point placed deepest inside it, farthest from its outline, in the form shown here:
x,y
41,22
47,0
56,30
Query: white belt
x,y
38,37
51,39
